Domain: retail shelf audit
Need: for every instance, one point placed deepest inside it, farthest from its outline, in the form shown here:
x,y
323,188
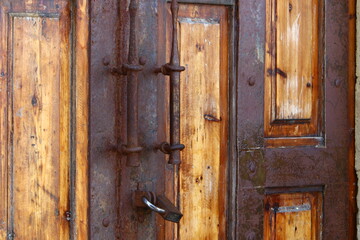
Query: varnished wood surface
x,y
297,225
351,104
4,128
81,192
203,45
296,47
39,160
293,83
36,118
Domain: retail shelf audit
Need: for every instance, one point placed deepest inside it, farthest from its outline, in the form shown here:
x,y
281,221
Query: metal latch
x,y
297,208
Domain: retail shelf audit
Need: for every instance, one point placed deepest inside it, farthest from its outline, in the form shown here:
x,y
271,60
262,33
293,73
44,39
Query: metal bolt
x,y
106,61
308,84
142,60
337,83
2,74
68,216
106,222
251,82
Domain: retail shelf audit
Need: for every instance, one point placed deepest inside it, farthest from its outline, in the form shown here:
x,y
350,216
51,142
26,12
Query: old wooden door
x,y
266,117
43,119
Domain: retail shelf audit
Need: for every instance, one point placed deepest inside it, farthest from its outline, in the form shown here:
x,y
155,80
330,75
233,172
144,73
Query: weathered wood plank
x,y
295,47
36,128
292,67
203,51
35,118
3,123
293,216
82,119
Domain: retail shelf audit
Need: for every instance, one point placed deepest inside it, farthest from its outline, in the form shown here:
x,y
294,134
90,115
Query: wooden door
x,y
266,117
43,130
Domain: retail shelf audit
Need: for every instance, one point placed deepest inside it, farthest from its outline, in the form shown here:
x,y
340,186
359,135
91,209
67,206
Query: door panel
x,y
293,215
293,77
261,167
40,95
203,47
283,124
39,120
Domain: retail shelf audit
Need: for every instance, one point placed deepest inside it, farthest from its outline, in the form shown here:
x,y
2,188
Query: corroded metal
x,y
168,149
173,69
131,69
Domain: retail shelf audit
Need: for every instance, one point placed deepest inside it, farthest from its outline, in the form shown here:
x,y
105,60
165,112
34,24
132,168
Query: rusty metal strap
x,y
296,208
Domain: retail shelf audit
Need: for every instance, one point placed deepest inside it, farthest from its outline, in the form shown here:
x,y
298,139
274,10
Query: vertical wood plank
x,y
35,118
352,178
292,78
82,116
3,123
203,51
295,45
65,122
36,128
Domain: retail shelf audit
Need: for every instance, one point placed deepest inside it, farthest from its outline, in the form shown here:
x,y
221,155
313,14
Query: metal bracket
x,y
131,69
173,69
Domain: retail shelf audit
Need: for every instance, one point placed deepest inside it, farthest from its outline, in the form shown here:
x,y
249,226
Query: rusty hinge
x,y
11,236
68,216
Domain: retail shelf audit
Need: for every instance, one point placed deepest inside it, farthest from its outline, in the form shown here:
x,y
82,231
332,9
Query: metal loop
x,y
166,148
152,206
128,150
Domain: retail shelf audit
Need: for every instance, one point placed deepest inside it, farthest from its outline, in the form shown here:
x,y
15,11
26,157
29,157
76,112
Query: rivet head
x,y
142,60
2,74
106,61
308,84
251,82
252,166
337,83
106,222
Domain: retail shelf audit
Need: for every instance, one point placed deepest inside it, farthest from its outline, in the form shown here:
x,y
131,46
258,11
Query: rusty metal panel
x,y
261,167
105,27
254,167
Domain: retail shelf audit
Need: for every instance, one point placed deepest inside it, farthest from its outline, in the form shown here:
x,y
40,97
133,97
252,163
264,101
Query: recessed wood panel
x,y
293,216
39,120
203,40
293,83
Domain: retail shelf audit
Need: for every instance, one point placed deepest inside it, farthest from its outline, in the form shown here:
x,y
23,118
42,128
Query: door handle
x,y
173,70
159,204
131,69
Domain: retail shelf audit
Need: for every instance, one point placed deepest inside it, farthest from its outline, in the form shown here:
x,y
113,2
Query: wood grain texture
x,y
82,120
203,41
3,123
40,139
36,125
296,48
293,84
297,225
352,112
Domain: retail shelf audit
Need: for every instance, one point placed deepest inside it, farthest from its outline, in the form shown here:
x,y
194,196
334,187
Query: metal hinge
x,y
68,216
11,236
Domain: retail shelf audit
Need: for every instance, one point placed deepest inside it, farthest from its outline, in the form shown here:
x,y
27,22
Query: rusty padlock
x,y
171,212
163,205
